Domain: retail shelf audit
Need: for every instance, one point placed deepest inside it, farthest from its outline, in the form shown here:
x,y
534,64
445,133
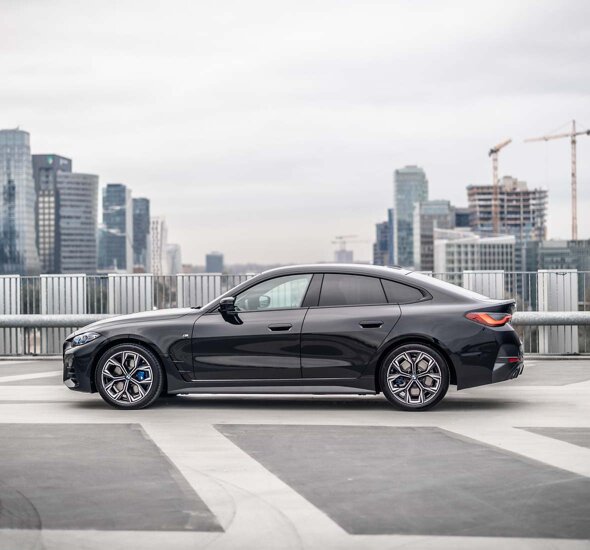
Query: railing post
x,y
488,283
130,293
60,294
11,339
558,291
197,289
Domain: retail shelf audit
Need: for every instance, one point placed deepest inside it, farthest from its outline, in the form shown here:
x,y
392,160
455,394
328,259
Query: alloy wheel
x,y
414,377
127,376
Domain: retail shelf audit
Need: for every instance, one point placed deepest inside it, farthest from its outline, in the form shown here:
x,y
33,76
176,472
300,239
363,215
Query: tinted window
x,y
351,290
398,293
282,292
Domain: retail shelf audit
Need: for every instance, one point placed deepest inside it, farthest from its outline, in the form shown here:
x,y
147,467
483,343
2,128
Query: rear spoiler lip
x,y
497,305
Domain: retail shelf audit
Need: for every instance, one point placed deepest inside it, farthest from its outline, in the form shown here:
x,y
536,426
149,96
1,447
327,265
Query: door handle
x,y
280,327
371,324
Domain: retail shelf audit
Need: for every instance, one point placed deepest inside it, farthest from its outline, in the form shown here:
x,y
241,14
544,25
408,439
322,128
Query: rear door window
x,y
351,290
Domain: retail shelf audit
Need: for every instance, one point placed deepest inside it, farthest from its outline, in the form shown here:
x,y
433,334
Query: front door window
x,y
280,293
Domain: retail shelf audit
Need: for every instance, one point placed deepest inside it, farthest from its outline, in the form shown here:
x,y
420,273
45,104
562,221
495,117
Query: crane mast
x,y
496,183
574,179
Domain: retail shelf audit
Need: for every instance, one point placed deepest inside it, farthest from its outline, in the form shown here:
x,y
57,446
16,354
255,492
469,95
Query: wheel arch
x,y
414,339
127,339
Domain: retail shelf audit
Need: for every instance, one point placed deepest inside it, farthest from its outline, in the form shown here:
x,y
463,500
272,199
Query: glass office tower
x,y
18,250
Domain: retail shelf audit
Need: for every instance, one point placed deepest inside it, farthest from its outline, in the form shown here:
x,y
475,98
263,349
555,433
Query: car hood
x,y
142,317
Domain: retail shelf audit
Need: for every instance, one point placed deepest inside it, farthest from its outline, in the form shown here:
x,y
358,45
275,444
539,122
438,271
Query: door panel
x,y
265,345
338,342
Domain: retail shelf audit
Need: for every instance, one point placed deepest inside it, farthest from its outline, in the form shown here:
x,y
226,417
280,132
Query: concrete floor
x,y
504,464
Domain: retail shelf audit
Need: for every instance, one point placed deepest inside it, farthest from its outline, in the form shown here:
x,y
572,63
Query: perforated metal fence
x,y
116,294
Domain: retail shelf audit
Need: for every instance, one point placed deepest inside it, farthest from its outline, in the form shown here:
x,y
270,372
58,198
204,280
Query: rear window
x,y
444,286
398,293
351,290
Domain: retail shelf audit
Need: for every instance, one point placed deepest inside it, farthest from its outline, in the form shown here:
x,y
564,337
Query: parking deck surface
x,y
507,464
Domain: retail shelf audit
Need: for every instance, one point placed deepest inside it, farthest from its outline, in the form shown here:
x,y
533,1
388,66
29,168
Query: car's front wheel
x,y
414,377
129,376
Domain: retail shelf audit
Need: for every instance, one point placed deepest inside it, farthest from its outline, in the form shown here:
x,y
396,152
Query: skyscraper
x,y
522,213
410,186
116,236
174,259
380,246
46,167
159,244
428,216
77,222
141,234
18,250
214,262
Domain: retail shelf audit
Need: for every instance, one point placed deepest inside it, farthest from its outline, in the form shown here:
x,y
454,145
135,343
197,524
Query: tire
x,y
414,377
129,376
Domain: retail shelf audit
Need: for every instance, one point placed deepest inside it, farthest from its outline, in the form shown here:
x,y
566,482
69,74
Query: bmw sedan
x,y
315,329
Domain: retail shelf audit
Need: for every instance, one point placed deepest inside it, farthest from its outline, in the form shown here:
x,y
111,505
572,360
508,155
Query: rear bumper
x,y
505,370
509,363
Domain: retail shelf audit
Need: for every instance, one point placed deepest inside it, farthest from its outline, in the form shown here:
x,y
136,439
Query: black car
x,y
318,329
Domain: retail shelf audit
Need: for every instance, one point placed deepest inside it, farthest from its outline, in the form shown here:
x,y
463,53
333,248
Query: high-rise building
x,y
77,222
410,186
344,256
214,262
159,244
458,250
18,249
391,236
522,213
116,235
381,244
174,259
559,254
462,216
428,216
141,234
45,171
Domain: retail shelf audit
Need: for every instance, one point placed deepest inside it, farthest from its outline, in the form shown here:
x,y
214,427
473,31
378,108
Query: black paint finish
x,y
376,480
309,347
250,350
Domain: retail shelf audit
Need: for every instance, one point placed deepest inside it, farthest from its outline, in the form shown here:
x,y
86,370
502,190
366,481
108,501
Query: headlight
x,y
84,338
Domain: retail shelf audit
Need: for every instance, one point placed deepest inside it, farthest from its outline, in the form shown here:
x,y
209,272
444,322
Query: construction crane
x,y
572,135
496,183
342,241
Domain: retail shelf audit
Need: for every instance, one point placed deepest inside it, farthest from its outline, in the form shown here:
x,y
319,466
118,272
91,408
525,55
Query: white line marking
x,y
31,376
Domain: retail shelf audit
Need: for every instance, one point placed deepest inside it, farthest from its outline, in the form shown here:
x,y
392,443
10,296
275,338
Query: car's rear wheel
x,y
129,376
414,377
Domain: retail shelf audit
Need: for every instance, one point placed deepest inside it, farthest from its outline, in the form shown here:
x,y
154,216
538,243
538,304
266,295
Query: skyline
x,y
253,139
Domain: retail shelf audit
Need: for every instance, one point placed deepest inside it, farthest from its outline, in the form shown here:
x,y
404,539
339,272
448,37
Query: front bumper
x,y
77,365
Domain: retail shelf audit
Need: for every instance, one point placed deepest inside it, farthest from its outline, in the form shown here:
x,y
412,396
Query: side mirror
x,y
227,305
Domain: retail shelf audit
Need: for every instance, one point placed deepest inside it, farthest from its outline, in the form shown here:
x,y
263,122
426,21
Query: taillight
x,y
489,319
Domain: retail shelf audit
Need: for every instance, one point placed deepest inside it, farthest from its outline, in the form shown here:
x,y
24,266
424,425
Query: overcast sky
x,y
264,129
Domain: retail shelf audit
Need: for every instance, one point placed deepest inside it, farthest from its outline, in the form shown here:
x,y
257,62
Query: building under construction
x,y
522,212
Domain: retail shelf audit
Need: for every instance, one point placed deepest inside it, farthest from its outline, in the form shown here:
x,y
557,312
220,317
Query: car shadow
x,y
454,401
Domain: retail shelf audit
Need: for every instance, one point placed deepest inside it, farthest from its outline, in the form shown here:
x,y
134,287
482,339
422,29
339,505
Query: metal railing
x,y
52,306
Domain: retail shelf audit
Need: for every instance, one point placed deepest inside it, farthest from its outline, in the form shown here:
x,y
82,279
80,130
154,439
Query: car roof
x,y
353,269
